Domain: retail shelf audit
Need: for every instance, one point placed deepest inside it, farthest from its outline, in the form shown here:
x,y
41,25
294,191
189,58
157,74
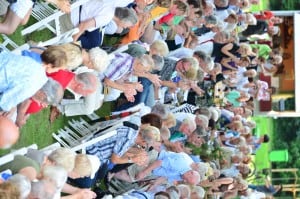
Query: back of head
x,y
191,73
83,165
160,109
158,62
99,58
184,191
8,190
152,119
73,53
53,91
55,56
88,80
126,15
57,174
9,133
197,192
159,47
22,183
42,189
147,61
63,157
266,138
150,134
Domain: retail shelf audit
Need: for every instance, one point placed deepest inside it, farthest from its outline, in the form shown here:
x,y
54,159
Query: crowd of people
x,y
190,140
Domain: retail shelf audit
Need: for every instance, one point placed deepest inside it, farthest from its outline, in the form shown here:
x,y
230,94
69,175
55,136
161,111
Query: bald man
x,y
9,133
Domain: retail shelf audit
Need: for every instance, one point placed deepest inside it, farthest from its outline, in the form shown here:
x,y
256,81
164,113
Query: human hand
x,y
63,5
155,79
141,175
138,86
141,159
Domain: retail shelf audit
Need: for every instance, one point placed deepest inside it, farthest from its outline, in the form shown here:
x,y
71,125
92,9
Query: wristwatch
x,y
129,160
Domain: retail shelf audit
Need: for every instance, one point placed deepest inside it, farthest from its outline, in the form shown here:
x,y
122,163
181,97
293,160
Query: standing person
x,y
19,11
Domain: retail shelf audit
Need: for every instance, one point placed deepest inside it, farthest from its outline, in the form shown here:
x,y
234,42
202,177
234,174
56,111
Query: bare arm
x,y
21,112
83,26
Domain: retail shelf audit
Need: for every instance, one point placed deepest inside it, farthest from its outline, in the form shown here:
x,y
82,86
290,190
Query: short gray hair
x,y
211,19
22,183
42,189
54,173
99,59
86,78
126,15
158,62
160,109
54,91
146,60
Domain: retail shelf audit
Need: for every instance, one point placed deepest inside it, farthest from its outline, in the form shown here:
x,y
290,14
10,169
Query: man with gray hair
x,y
22,183
123,18
50,94
42,189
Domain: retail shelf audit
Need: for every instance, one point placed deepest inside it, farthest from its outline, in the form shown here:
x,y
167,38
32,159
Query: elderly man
x,y
9,133
120,71
87,91
128,146
20,78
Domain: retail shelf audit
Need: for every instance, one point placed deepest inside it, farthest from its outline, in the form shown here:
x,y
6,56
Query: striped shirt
x,y
117,144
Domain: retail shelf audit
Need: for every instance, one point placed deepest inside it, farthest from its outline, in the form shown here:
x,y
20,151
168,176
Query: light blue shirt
x,y
174,165
20,78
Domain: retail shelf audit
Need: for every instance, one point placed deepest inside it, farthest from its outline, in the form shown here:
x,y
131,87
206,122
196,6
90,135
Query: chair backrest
x,y
60,39
22,151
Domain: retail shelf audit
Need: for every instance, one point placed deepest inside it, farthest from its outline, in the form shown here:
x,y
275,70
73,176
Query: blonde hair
x,y
170,120
99,59
247,47
150,134
191,74
165,133
56,174
83,165
63,157
9,191
73,54
160,47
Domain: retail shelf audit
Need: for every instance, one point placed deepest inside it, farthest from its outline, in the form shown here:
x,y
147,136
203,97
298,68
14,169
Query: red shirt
x,y
63,77
265,16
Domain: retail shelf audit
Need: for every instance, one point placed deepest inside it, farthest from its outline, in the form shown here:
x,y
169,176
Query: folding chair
x,y
8,44
47,16
22,151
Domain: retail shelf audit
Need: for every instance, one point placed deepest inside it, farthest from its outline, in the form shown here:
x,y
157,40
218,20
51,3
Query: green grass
x,y
263,5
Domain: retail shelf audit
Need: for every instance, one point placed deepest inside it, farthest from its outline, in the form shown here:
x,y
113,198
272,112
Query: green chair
x,y
279,156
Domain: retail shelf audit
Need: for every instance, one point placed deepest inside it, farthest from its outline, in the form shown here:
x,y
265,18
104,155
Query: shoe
x,y
54,113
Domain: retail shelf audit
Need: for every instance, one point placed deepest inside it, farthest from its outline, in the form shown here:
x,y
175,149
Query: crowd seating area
x,y
184,77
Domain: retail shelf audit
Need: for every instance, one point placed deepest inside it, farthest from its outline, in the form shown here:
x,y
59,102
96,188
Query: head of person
x,y
191,177
276,59
9,190
56,174
202,121
84,83
276,20
206,63
169,121
50,94
144,63
150,135
187,126
244,61
173,192
184,191
96,59
160,109
222,37
22,183
250,18
54,58
165,133
187,68
196,138
245,49
162,195
42,189
152,119
197,192
62,157
210,21
209,8
125,17
9,133
250,73
73,53
179,8
203,111
159,47
273,30
158,62
232,18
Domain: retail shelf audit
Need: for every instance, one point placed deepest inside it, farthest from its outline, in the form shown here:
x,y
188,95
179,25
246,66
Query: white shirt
x,y
111,28
100,10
